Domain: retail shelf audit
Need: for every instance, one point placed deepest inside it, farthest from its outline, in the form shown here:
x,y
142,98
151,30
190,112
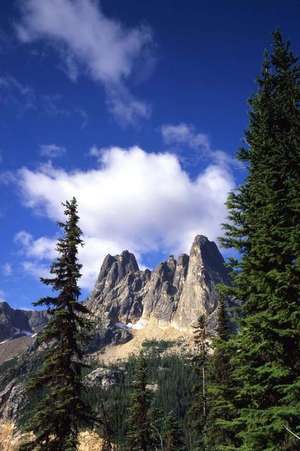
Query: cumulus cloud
x,y
101,46
51,150
133,200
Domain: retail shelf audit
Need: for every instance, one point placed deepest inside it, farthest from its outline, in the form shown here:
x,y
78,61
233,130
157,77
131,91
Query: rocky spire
x,y
206,269
176,292
118,292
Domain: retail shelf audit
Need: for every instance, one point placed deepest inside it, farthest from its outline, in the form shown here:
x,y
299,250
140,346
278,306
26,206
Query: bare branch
x,y
291,432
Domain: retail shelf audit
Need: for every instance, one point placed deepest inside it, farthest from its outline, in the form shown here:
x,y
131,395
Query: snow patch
x,y
26,332
140,324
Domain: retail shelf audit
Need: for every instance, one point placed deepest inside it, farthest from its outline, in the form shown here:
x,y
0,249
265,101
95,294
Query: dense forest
x,y
239,389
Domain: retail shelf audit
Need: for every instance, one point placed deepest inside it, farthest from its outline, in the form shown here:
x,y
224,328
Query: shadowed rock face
x,y
119,290
164,289
15,322
176,292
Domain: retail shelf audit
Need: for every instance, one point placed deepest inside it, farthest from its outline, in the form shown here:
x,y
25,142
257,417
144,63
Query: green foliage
x,y
170,378
139,431
197,413
172,435
220,425
57,384
264,227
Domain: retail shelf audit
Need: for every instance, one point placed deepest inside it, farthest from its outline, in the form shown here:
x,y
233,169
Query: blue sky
x,y
137,108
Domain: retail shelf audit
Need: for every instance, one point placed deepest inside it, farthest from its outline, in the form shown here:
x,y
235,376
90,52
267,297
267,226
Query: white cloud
x,y
134,200
183,134
51,150
36,248
7,269
125,107
101,46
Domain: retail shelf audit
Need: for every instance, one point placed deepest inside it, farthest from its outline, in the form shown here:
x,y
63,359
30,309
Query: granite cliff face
x,y
176,292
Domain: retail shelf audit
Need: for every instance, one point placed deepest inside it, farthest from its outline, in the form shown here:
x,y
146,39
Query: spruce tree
x,y
264,226
61,410
198,410
172,435
139,435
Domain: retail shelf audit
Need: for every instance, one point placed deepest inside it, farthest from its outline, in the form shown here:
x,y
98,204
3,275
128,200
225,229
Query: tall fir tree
x,y
139,435
264,227
197,413
61,410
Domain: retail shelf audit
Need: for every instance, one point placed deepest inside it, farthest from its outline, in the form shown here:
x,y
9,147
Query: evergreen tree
x,y
105,431
61,410
139,435
219,425
172,435
264,227
198,410
157,419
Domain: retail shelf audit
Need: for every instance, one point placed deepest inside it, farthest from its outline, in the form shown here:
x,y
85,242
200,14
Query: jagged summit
x,y
115,268
17,322
176,292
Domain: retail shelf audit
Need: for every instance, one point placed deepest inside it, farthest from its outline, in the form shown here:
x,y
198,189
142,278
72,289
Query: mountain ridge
x,y
176,292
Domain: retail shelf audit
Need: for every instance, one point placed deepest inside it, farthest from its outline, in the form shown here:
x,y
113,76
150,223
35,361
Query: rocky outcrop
x,y
104,377
11,398
176,292
16,322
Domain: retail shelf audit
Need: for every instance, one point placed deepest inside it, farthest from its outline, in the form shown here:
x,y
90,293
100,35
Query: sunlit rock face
x,y
198,296
176,292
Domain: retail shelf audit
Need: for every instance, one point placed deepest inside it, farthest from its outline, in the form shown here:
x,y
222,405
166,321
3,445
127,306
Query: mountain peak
x,y
176,292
